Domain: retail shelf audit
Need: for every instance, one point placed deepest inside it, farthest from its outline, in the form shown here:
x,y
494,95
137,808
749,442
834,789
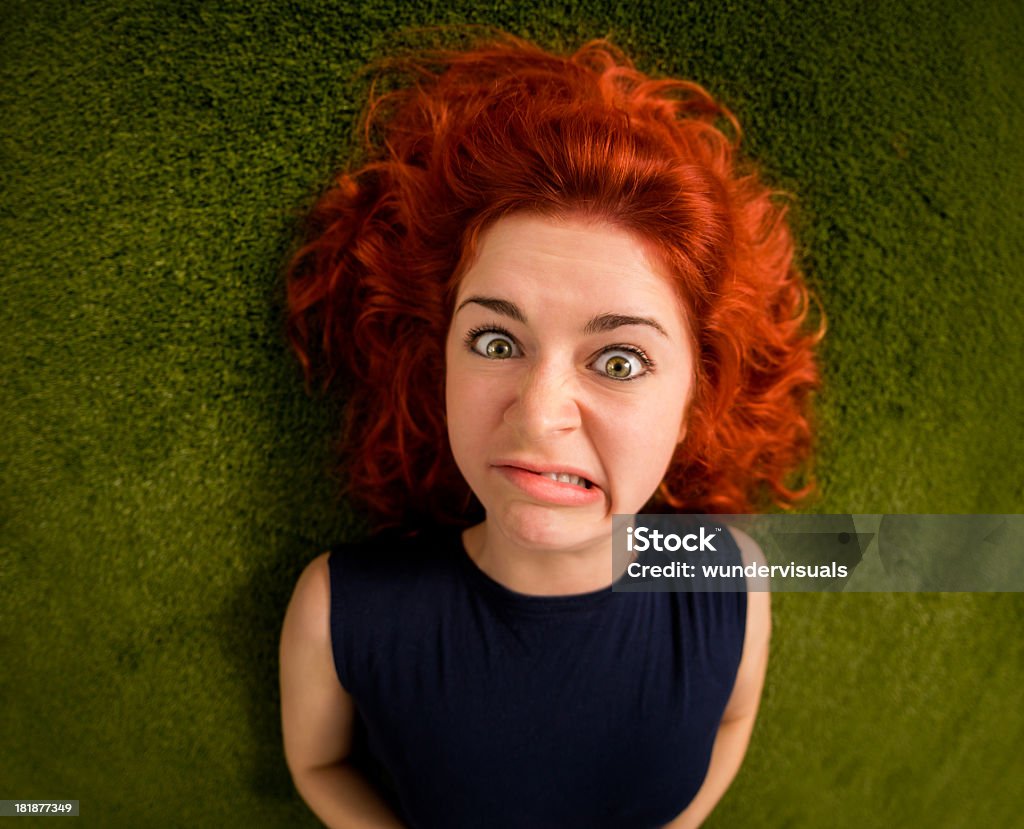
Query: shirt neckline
x,y
527,602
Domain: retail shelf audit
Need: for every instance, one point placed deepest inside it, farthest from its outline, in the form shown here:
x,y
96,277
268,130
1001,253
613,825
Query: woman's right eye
x,y
494,345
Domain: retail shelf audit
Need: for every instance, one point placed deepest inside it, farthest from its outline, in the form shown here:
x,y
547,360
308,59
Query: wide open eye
x,y
494,345
621,363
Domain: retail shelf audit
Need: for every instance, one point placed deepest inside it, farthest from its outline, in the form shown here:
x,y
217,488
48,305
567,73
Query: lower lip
x,y
552,492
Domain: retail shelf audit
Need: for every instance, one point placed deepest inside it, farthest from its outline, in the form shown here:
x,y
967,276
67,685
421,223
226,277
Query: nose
x,y
546,404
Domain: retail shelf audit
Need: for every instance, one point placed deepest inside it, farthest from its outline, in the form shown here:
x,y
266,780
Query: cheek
x,y
463,442
459,427
472,409
455,391
655,446
642,444
455,407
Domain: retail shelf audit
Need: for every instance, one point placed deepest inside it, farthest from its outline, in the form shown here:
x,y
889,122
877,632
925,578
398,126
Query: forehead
x,y
571,262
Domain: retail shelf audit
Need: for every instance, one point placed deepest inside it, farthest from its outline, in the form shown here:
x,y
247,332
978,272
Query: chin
x,y
536,527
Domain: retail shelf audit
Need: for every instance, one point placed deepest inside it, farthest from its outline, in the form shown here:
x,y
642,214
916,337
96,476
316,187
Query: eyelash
x,y
474,333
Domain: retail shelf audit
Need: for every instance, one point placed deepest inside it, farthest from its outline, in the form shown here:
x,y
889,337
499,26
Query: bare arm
x,y
317,714
740,712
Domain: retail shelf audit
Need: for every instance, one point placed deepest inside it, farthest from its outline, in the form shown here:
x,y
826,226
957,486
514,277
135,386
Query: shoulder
x,y
757,634
391,547
308,611
368,579
750,549
758,595
328,572
387,559
316,712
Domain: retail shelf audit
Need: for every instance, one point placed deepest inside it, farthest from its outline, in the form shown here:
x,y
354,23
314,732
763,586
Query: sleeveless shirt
x,y
491,708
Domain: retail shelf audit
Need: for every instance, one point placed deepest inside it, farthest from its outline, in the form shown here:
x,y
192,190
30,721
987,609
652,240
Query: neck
x,y
540,572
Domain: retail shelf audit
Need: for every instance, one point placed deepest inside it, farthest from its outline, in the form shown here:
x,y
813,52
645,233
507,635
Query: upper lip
x,y
540,468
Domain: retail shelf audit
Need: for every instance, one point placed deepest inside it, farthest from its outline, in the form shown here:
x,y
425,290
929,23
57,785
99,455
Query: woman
x,y
552,294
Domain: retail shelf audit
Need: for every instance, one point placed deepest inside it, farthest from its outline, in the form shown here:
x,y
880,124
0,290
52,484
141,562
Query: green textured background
x,y
162,477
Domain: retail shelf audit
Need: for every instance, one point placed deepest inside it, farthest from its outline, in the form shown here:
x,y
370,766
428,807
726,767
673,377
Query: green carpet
x,y
162,473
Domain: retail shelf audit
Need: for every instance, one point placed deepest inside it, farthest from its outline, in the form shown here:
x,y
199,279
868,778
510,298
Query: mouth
x,y
565,478
550,483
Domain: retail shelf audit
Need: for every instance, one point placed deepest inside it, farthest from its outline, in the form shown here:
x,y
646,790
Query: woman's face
x,y
569,368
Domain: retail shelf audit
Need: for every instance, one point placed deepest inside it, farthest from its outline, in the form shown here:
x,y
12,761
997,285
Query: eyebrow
x,y
598,325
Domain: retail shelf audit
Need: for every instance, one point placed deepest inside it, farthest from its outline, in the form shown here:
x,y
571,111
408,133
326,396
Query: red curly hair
x,y
502,127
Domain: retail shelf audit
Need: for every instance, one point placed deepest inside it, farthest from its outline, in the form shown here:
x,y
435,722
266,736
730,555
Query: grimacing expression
x,y
569,369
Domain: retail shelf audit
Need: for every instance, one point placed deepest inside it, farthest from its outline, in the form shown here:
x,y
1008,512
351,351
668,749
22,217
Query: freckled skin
x,y
549,393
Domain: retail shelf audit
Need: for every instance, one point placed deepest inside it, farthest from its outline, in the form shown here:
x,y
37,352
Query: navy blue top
x,y
491,708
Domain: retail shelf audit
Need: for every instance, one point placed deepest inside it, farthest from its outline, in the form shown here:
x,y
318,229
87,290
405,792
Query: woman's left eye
x,y
621,364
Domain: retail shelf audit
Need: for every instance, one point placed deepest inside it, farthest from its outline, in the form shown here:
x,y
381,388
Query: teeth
x,y
566,478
